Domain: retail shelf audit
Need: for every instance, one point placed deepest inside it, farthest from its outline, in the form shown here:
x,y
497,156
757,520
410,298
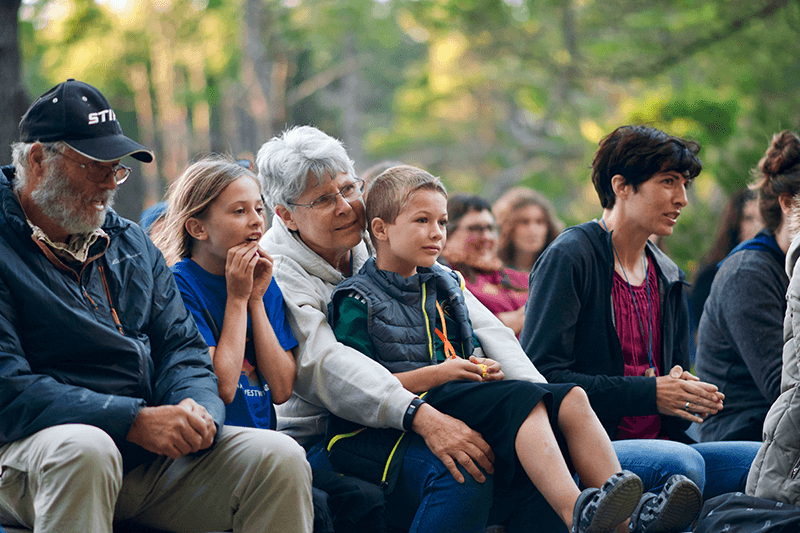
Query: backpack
x,y
736,512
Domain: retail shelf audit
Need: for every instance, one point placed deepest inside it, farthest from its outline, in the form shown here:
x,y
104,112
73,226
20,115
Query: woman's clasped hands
x,y
682,394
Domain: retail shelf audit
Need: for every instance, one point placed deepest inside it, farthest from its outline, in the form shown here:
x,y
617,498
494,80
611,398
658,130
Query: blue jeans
x,y
426,497
715,467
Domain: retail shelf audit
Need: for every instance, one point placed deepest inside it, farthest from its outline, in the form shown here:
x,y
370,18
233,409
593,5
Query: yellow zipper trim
x,y
389,460
463,285
427,324
343,436
394,449
461,282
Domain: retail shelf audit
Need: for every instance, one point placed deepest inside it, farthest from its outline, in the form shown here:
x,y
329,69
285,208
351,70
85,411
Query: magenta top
x,y
633,336
498,296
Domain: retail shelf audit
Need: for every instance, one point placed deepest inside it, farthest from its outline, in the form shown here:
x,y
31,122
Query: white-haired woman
x,y
316,242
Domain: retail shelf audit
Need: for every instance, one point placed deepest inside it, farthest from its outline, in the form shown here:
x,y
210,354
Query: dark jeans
x,y
428,499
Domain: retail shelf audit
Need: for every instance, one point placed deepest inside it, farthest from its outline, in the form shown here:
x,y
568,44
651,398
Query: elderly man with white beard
x,y
109,410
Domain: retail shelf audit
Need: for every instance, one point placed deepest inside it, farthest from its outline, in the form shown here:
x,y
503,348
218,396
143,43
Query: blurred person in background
x,y
527,224
740,221
739,340
471,248
152,218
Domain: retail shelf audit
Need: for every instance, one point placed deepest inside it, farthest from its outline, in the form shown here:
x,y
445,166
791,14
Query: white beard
x,y
61,202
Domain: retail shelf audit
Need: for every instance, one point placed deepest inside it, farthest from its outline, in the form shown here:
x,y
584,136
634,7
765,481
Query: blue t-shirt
x,y
205,295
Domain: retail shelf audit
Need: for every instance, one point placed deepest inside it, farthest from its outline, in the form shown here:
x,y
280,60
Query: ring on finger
x,y
686,407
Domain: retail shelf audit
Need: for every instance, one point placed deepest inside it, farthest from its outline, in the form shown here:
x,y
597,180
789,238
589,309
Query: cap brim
x,y
111,148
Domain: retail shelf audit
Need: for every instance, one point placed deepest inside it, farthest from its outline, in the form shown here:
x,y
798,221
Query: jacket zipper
x,y
110,303
383,482
86,294
796,468
427,324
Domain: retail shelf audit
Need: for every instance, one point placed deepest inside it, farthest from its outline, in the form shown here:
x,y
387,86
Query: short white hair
x,y
287,162
19,158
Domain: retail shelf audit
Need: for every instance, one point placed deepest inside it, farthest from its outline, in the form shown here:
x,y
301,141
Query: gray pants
x,y
69,478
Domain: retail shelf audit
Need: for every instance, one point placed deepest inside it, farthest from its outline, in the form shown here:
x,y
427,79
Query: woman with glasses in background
x,y
471,249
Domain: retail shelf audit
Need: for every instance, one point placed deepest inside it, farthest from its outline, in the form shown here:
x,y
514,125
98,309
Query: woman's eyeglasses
x,y
351,191
482,228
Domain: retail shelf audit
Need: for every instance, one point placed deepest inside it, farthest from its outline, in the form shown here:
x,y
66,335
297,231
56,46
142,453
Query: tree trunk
x,y
12,92
153,189
257,72
350,97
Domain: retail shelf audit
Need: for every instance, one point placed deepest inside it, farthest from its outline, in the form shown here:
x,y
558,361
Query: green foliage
x,y
486,93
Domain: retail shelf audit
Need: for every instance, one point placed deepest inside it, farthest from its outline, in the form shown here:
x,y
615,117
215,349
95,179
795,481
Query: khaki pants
x,y
69,478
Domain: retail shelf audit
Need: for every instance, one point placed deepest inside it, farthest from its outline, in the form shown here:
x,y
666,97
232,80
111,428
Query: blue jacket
x,y
402,312
62,357
570,335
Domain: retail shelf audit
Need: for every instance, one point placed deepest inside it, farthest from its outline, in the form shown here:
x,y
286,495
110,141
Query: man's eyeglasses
x,y
351,191
97,173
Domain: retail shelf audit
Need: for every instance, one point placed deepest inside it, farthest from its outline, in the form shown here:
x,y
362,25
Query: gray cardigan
x,y
740,339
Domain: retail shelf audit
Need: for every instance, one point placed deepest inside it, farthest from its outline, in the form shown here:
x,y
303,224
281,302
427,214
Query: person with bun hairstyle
x,y
773,475
527,225
740,335
607,309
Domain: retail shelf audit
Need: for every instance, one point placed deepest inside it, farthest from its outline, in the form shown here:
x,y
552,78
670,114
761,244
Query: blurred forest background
x,y
486,94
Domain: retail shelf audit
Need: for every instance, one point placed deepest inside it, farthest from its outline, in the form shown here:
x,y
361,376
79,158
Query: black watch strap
x,y
411,412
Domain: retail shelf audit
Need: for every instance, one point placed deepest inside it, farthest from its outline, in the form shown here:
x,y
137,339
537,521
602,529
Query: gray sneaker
x,y
673,510
601,510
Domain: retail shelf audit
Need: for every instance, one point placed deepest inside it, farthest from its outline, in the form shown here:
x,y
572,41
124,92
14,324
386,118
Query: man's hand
x,y
451,440
173,430
675,390
209,429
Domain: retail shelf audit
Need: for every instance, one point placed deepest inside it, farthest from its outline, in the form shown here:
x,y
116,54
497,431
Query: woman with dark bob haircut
x,y
608,310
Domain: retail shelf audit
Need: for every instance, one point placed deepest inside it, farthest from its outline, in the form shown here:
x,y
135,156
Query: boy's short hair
x,y
389,192
637,153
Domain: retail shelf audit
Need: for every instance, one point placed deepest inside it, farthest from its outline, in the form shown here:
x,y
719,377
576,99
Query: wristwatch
x,y
411,412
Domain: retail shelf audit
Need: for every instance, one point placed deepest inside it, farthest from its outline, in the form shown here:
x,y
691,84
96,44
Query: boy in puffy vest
x,y
410,314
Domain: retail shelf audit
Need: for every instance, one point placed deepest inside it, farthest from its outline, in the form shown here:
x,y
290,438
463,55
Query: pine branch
x,y
633,69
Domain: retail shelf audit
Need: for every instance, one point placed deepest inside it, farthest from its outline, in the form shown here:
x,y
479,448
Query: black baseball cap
x,y
78,114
